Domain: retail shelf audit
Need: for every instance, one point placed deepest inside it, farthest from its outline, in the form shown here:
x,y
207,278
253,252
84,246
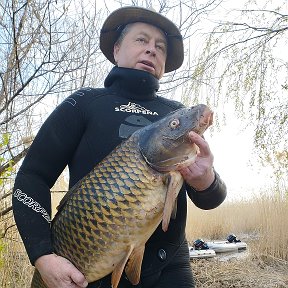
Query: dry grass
x,y
15,268
249,272
261,222
263,219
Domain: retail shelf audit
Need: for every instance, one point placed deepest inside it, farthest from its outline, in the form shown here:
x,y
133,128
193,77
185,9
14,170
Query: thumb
x,y
201,143
79,279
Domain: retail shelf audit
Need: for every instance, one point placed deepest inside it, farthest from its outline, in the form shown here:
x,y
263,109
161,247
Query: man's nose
x,y
151,49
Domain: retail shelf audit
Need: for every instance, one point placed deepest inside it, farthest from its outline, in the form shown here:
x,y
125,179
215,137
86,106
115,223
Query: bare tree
x,y
50,49
245,61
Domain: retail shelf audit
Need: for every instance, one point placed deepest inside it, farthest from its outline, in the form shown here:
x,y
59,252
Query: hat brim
x,y
119,18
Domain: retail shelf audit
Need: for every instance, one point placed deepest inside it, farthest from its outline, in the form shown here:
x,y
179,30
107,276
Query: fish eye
x,y
174,123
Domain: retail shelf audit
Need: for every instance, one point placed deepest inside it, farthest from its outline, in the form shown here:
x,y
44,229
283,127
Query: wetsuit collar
x,y
132,83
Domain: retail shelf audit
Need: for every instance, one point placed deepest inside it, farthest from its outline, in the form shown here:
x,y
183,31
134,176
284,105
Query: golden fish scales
x,y
98,228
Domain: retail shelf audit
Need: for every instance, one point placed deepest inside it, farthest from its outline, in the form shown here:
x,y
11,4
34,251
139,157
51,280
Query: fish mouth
x,y
206,120
176,163
179,163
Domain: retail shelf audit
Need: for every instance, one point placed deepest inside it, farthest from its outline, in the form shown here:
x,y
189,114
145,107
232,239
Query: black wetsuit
x,y
79,133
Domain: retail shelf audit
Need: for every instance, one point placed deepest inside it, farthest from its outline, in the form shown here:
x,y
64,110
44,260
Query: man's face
x,y
144,47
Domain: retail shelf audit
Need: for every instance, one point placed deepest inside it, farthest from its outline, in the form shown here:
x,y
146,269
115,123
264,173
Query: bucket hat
x,y
117,20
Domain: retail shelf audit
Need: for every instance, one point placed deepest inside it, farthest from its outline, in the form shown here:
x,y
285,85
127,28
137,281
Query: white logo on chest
x,y
134,108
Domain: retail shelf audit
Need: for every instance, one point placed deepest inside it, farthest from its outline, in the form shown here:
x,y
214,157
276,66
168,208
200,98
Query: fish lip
x,y
174,167
205,120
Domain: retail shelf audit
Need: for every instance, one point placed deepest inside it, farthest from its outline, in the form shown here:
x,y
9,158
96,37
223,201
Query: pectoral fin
x,y
174,186
117,272
174,210
133,267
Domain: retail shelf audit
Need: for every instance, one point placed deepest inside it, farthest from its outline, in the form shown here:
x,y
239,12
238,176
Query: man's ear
x,y
115,52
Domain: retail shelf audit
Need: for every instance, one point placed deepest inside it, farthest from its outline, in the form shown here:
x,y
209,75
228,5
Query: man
x,y
89,124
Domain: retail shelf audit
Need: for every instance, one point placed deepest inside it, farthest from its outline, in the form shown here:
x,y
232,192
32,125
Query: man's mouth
x,y
148,63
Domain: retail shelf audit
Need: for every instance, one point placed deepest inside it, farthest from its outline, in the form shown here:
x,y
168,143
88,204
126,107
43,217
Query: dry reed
x,y
15,268
261,222
263,219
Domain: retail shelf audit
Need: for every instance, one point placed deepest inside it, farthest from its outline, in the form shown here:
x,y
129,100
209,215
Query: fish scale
x,y
120,220
104,221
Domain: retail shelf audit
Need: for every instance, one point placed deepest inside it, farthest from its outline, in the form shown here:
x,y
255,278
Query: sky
x,y
236,161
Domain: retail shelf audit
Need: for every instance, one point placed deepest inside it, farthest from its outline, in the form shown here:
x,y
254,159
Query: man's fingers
x,y
201,143
79,279
185,172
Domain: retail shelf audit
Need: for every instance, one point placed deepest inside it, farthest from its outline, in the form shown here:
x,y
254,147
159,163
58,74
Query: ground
x,y
262,272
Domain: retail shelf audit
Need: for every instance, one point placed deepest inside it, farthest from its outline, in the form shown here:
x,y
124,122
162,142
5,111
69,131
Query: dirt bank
x,y
260,272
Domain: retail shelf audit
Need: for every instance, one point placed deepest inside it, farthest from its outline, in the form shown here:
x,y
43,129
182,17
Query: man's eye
x,y
141,40
161,48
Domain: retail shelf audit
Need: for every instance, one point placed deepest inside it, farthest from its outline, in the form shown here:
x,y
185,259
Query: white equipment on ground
x,y
202,249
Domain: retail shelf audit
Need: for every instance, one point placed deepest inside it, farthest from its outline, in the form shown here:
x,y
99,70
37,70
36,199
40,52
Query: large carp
x,y
104,221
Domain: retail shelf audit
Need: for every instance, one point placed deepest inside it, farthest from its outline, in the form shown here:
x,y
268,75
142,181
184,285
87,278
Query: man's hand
x,y
200,174
58,272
